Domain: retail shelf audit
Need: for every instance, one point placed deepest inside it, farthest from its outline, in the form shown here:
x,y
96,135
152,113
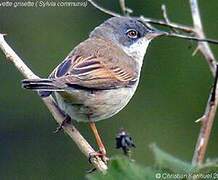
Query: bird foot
x,y
67,120
100,154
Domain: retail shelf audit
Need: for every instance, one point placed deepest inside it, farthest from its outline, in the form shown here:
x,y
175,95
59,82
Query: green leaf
x,y
121,167
208,168
168,162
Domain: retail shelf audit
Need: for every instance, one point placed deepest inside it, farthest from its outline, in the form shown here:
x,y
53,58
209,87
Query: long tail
x,y
44,86
40,84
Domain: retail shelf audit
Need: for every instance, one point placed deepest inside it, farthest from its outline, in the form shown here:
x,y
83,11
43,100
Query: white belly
x,y
86,106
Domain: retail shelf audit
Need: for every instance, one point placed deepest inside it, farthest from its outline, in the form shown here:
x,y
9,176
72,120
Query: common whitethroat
x,y
100,75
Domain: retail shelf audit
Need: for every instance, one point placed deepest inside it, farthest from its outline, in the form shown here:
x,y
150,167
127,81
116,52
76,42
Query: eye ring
x,y
132,33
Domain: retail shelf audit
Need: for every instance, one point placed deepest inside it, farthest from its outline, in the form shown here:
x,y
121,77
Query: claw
x,y
99,154
91,170
67,120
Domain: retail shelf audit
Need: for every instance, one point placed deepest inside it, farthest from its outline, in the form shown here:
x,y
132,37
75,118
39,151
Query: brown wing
x,y
96,67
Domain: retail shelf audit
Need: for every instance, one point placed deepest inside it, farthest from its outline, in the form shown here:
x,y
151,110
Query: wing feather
x,y
99,71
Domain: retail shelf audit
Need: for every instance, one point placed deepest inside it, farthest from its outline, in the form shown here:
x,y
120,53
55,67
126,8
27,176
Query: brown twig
x,y
125,10
207,122
166,22
164,11
82,144
212,41
210,112
145,19
106,11
199,32
123,6
178,26
166,18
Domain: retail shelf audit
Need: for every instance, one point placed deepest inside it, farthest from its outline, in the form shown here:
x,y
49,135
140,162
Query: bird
x,y
101,74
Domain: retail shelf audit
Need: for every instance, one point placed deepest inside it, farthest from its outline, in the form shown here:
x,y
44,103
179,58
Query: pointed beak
x,y
153,33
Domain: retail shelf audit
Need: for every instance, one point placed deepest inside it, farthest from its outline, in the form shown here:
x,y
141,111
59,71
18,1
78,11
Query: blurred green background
x,y
172,94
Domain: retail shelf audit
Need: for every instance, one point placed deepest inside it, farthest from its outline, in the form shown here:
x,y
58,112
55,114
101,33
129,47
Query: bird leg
x,y
66,120
102,152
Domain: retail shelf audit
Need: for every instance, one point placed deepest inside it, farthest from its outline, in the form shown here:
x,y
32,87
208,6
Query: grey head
x,y
132,35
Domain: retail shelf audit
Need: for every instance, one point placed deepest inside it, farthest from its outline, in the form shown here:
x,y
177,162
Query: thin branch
x,y
13,57
82,144
181,27
165,16
164,11
212,41
146,19
103,9
125,10
199,32
123,6
210,112
166,22
207,122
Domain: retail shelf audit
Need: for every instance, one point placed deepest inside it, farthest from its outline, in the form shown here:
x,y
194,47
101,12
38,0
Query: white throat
x,y
137,50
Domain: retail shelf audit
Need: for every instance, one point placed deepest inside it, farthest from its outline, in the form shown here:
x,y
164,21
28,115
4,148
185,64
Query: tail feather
x,y
40,84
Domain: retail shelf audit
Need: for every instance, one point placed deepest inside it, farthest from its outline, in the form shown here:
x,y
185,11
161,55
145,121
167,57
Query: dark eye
x,y
131,33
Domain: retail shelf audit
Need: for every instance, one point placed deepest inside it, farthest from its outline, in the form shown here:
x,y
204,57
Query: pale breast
x,y
82,105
